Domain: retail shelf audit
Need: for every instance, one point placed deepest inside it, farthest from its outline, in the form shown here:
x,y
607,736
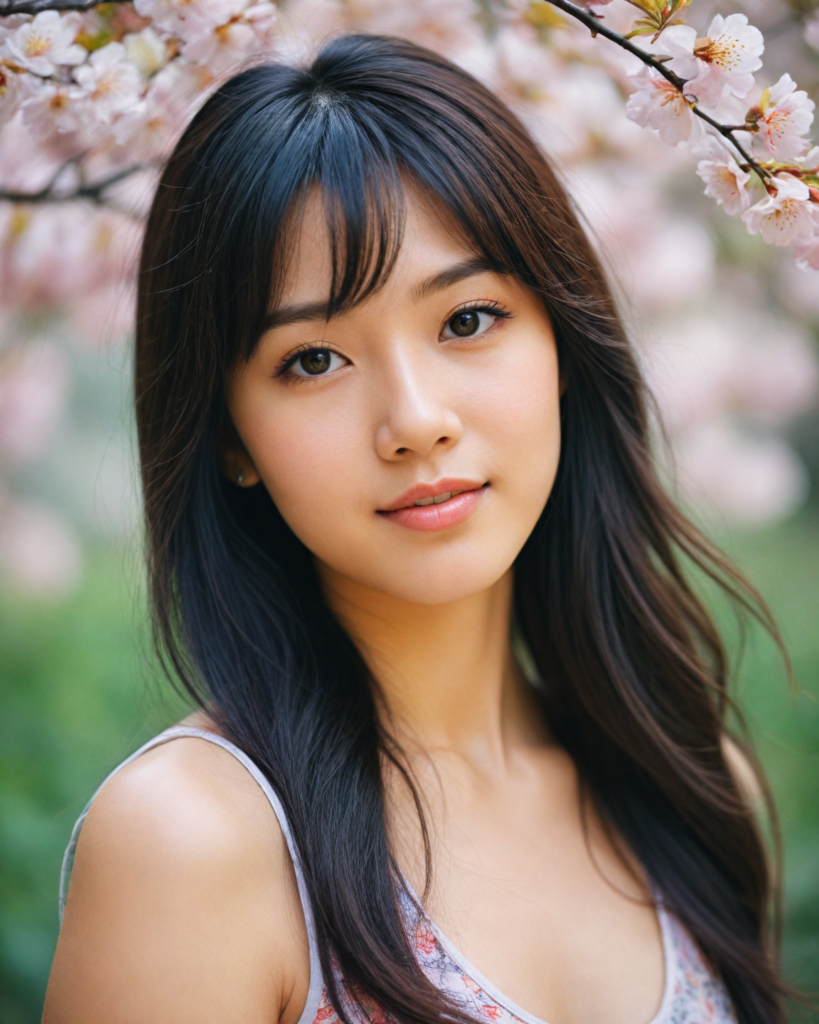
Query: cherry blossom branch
x,y
597,27
95,193
8,7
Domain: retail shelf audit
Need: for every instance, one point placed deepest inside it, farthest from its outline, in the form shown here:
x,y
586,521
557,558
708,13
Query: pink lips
x,y
428,518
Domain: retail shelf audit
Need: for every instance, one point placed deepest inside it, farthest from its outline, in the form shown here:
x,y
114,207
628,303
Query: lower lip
x,y
428,518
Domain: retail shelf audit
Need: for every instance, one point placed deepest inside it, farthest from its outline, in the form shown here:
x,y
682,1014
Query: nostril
x,y
400,451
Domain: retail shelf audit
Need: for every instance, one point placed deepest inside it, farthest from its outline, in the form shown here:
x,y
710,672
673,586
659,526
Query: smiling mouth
x,y
439,510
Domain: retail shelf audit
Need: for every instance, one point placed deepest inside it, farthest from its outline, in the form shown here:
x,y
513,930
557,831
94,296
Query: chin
x,y
432,578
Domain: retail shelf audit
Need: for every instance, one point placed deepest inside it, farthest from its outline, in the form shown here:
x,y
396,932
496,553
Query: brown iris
x,y
315,361
465,323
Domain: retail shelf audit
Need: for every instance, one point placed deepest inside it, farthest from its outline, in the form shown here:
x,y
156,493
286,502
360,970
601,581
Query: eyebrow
x,y
452,275
305,311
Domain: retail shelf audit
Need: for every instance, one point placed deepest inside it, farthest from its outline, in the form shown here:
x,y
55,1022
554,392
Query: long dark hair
x,y
634,672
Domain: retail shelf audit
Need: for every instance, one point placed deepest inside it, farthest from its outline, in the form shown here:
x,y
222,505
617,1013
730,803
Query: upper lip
x,y
419,491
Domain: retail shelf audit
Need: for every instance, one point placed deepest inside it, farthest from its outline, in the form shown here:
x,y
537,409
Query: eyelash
x,y
491,307
288,360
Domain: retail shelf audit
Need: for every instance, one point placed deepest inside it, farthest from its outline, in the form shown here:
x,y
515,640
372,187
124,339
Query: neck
x,y
446,678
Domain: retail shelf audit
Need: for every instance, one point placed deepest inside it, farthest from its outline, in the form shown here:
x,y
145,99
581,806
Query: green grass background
x,y
78,693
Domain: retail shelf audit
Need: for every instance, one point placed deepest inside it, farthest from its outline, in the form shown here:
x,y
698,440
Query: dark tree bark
x,y
36,6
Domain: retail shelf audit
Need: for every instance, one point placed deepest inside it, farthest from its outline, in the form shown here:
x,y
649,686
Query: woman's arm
x,y
183,904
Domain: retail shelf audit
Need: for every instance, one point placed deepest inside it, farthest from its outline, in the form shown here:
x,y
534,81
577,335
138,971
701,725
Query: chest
x,y
530,895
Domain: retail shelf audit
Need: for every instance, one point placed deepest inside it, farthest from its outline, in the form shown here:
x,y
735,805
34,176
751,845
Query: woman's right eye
x,y
315,362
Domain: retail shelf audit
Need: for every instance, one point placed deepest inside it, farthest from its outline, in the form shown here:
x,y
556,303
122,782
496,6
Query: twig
x,y
36,6
95,193
597,28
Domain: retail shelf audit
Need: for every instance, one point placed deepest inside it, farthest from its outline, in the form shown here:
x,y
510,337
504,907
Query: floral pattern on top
x,y
693,996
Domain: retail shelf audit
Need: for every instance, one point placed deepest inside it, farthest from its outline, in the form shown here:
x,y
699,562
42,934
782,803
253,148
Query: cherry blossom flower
x,y
723,61
784,116
659,104
725,181
148,132
54,107
74,262
785,217
147,50
189,19
14,90
110,81
224,47
47,42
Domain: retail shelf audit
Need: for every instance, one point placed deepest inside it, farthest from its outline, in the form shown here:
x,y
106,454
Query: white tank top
x,y
692,994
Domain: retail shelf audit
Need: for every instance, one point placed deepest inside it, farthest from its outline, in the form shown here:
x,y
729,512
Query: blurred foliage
x,y
79,692
75,702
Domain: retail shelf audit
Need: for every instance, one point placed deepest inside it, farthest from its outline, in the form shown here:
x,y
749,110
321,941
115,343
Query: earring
x,y
240,476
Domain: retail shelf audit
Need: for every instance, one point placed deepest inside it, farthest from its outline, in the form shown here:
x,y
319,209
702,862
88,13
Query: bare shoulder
x,y
188,799
183,902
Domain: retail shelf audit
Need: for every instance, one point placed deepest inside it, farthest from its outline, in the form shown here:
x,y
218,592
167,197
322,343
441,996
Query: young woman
x,y
408,552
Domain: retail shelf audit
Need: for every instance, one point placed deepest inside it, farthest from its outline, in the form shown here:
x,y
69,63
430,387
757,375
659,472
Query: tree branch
x,y
597,28
95,193
36,6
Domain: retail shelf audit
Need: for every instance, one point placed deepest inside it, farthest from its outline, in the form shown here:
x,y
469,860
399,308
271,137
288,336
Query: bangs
x,y
368,163
364,197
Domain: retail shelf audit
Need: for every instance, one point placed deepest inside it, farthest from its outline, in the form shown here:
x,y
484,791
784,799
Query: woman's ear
x,y
234,460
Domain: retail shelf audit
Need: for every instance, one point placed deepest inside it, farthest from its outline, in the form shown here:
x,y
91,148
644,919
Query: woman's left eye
x,y
315,362
469,323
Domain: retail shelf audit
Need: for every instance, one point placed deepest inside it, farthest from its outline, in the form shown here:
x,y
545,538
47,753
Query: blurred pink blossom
x,y
146,50
731,360
54,255
54,107
33,385
14,89
188,19
449,27
225,47
812,30
39,554
746,478
807,253
27,161
148,133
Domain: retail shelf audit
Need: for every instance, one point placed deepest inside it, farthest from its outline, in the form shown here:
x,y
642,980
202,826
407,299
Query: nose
x,y
414,418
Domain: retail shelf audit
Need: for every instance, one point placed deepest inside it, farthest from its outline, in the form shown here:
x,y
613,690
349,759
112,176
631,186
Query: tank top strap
x,y
316,989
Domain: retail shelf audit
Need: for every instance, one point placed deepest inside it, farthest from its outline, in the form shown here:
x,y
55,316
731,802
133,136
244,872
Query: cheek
x,y
309,458
521,421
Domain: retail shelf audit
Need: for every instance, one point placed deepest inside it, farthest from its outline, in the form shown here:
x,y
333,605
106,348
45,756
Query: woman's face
x,y
410,443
